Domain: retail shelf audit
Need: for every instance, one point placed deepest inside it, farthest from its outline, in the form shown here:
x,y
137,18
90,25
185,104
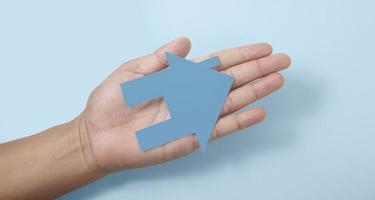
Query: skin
x,y
102,138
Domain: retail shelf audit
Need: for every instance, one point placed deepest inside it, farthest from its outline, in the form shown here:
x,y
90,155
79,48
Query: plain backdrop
x,y
318,141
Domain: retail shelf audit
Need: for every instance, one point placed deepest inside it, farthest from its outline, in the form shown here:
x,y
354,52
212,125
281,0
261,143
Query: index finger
x,y
238,55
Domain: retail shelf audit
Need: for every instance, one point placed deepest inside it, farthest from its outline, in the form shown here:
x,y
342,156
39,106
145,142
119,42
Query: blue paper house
x,y
194,94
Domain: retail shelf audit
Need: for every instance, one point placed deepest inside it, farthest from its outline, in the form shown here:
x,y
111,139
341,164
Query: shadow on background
x,y
286,109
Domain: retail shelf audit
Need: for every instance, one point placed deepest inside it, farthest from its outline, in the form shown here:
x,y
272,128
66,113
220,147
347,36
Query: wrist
x,y
71,163
82,147
55,161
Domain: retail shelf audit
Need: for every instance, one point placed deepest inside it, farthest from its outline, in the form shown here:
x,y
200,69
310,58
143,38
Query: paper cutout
x,y
194,94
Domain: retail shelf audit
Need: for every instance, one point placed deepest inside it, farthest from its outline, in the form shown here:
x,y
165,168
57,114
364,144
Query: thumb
x,y
157,60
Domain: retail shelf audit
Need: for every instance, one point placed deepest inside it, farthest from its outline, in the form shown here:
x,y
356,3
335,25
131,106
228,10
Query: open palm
x,y
110,125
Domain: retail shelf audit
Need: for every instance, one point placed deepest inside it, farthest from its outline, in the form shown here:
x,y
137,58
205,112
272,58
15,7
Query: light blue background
x,y
318,141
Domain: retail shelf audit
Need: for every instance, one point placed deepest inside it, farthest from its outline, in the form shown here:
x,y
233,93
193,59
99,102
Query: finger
x,y
255,69
237,121
157,60
237,55
251,92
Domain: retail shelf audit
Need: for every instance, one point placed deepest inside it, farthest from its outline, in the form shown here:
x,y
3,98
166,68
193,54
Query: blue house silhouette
x,y
194,94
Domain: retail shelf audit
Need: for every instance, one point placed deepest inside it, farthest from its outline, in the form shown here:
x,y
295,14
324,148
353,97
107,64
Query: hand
x,y
110,126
